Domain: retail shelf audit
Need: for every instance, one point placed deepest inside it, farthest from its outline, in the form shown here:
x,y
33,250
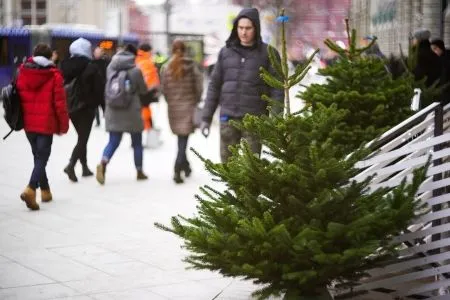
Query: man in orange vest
x,y
145,63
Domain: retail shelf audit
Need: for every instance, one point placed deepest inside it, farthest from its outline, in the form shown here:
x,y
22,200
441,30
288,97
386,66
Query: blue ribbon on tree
x,y
282,19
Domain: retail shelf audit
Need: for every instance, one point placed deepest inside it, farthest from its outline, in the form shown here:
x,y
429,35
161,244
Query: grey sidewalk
x,y
99,242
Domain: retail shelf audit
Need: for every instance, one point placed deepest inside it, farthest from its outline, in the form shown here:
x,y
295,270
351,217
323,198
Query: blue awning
x,y
73,33
13,31
126,38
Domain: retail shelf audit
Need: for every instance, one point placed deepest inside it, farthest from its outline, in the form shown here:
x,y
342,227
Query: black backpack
x,y
12,107
73,97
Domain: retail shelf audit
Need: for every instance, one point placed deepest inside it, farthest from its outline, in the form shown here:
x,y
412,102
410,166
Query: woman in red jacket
x,y
41,91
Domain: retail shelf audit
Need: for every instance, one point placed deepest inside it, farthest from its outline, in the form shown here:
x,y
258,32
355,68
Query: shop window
x,y
26,20
41,20
41,5
26,4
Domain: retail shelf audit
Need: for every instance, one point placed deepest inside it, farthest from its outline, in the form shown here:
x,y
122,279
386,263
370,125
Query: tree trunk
x,y
323,294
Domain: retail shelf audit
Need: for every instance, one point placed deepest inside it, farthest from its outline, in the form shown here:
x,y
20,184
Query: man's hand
x,y
204,127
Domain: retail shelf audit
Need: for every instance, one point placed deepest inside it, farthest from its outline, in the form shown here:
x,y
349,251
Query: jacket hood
x,y
81,47
37,75
253,15
73,67
123,60
43,61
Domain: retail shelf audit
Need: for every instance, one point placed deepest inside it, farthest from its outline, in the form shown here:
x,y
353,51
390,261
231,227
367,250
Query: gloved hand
x,y
204,127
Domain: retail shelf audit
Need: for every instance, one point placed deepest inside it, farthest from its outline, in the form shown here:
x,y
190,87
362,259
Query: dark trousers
x,y
41,146
230,136
182,146
82,121
114,141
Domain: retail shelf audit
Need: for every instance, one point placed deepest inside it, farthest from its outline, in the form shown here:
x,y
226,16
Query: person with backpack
x,y
43,101
182,86
124,85
84,86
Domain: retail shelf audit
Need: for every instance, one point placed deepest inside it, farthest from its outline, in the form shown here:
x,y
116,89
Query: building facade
x,y
139,21
394,21
109,15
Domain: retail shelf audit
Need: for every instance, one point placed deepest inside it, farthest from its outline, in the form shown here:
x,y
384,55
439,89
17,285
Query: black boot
x,y
70,171
86,171
177,174
187,169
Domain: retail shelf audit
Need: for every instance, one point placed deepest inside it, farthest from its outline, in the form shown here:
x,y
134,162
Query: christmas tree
x,y
294,222
362,86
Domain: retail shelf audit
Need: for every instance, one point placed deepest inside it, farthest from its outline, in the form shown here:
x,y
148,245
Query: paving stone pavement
x,y
99,242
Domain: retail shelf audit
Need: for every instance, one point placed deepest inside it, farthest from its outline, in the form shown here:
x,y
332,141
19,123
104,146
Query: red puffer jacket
x,y
43,98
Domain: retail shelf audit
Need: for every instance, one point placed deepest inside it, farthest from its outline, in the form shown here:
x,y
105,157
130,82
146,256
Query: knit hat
x,y
439,43
422,34
81,47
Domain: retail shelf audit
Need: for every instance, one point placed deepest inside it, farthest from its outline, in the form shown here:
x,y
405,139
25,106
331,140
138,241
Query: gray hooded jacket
x,y
235,82
129,119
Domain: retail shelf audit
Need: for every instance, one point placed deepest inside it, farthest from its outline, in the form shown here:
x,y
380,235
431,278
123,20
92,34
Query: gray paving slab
x,y
100,242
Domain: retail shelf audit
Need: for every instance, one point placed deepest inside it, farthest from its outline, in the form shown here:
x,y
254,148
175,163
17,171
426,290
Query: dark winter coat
x,y
235,81
126,119
428,64
42,96
445,62
182,96
102,65
92,84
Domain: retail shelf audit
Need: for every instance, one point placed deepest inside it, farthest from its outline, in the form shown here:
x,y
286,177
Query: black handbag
x,y
150,97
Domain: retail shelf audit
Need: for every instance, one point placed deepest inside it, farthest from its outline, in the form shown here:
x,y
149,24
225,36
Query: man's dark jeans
x,y
41,146
230,136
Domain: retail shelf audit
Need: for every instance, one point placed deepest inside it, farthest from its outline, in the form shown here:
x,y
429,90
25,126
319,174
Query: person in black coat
x,y
89,92
428,63
438,47
102,61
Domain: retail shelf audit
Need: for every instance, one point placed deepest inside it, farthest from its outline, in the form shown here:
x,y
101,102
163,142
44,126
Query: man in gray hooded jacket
x,y
236,83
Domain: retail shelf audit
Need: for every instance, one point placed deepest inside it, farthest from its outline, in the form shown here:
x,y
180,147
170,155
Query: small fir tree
x,y
364,88
295,222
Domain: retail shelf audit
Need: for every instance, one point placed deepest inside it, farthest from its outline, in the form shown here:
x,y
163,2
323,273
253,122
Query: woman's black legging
x,y
82,121
182,145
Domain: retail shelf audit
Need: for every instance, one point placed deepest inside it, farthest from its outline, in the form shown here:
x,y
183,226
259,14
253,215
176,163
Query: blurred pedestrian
x,y
43,101
428,63
374,50
159,60
145,63
237,85
182,86
85,95
438,47
55,58
102,61
127,117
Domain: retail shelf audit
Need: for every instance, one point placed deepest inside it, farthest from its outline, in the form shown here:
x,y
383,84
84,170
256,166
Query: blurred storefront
x,y
311,22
